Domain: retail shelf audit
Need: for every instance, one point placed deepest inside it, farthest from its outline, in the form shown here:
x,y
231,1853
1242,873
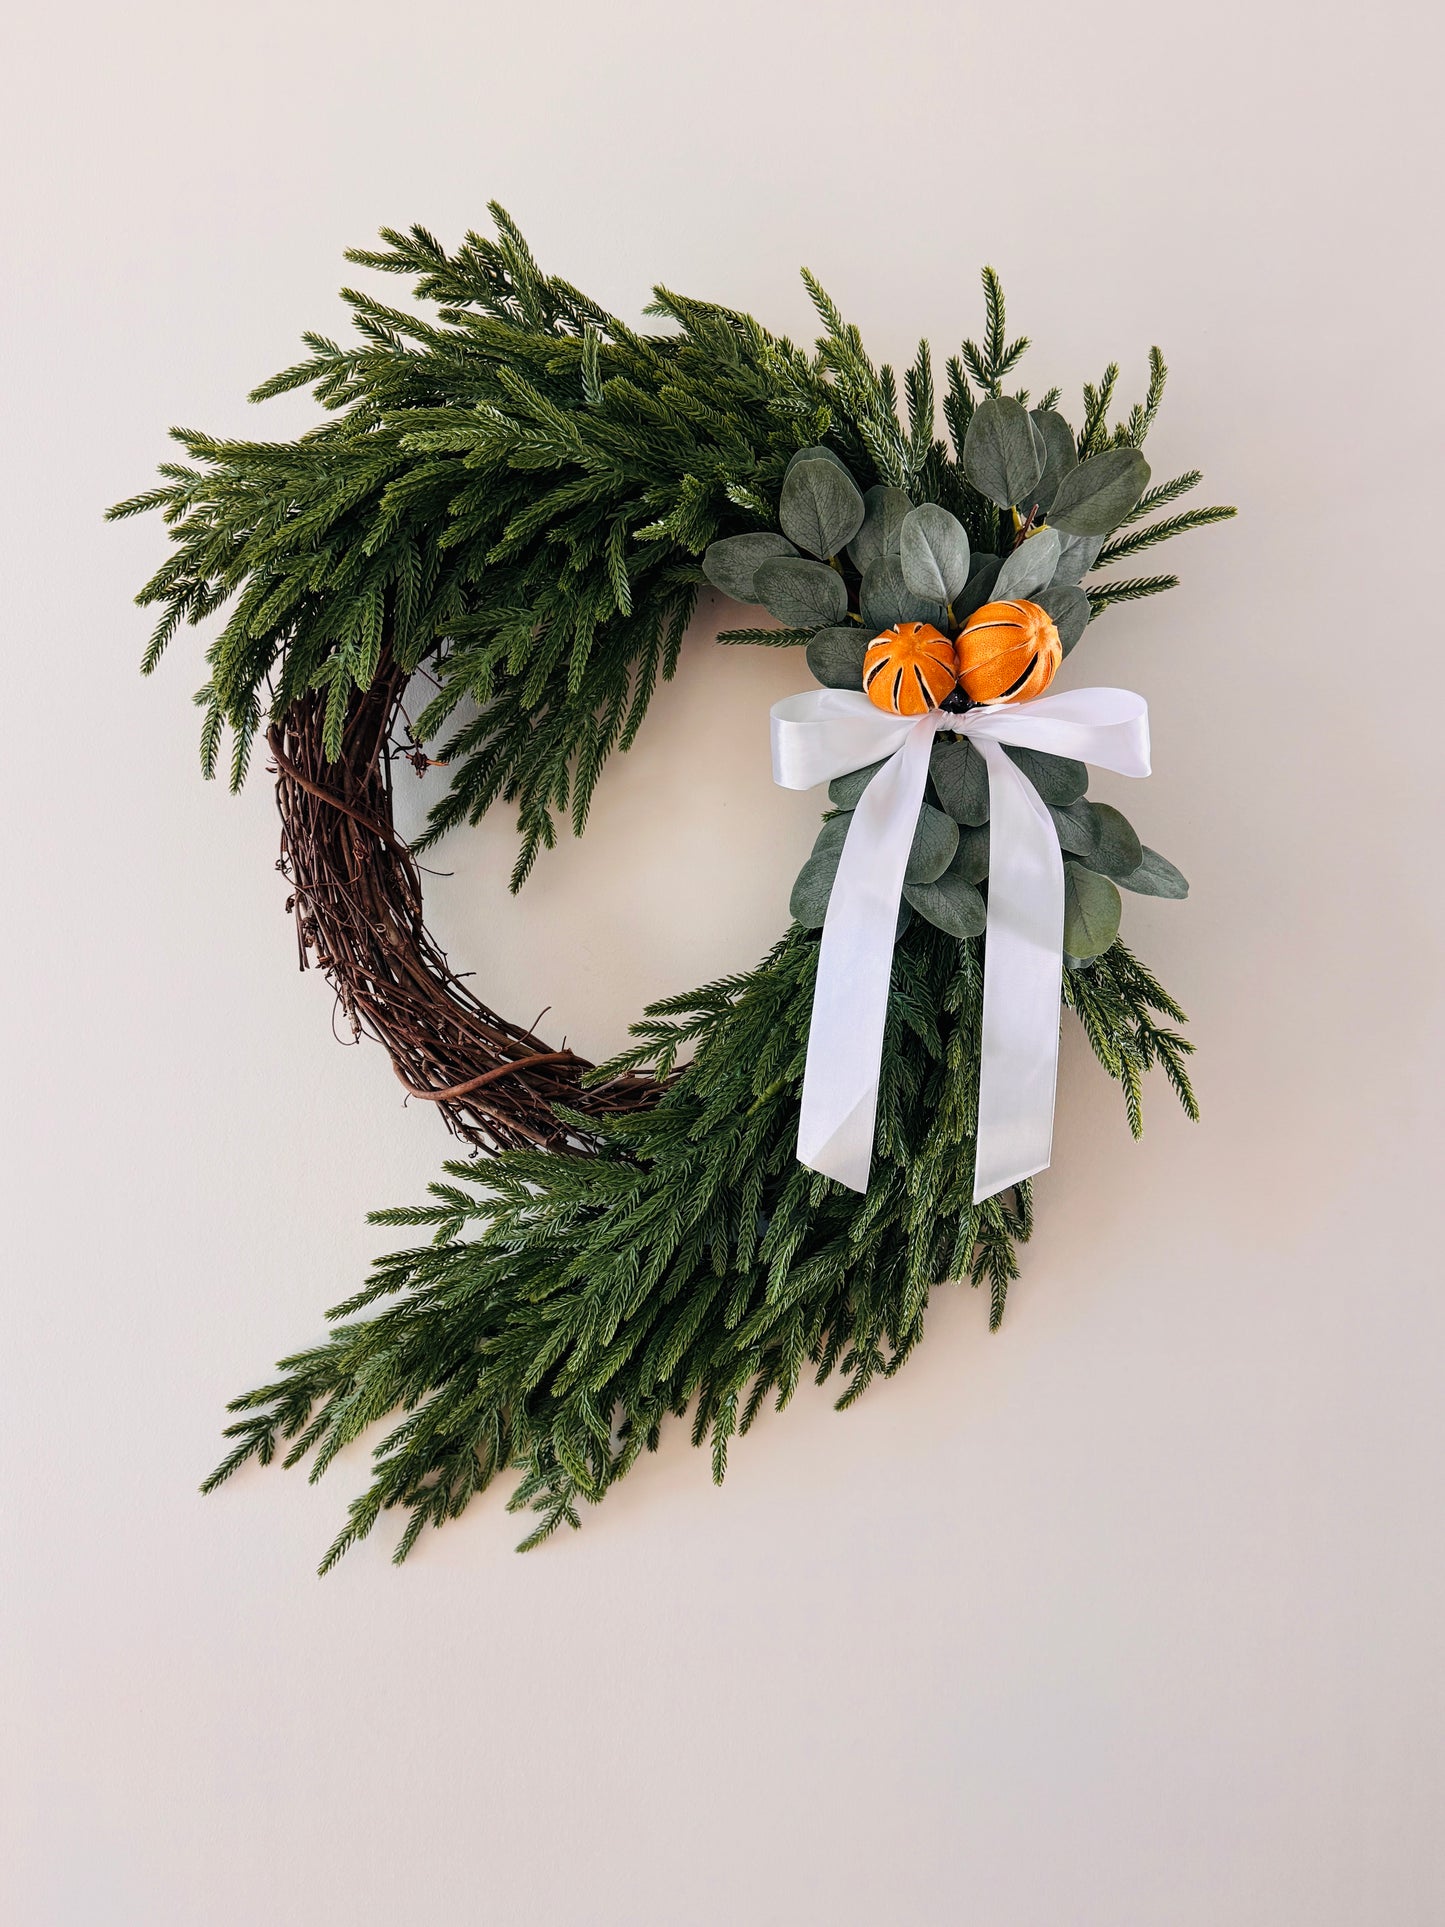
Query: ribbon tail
x,y
839,1106
1023,978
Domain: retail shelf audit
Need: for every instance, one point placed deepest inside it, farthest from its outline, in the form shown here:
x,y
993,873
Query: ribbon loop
x,y
826,733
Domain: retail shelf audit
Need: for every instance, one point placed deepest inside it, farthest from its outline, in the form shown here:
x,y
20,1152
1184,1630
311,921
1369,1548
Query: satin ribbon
x,y
829,732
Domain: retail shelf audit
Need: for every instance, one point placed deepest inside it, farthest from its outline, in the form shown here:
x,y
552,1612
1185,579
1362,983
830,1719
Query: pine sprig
x,y
987,365
1170,525
522,451
568,1305
1131,589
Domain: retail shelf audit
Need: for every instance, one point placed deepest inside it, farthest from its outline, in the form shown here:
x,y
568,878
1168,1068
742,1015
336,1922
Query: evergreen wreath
x,y
509,504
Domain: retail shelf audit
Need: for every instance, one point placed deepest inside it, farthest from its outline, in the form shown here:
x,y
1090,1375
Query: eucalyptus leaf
x,y
883,512
1068,608
833,834
1078,555
732,564
979,587
1003,452
844,791
813,887
960,778
972,858
1073,829
820,507
935,842
1101,835
1091,912
1059,780
804,595
1060,454
818,454
835,656
933,551
1117,849
951,902
1030,567
1156,876
885,598
1096,496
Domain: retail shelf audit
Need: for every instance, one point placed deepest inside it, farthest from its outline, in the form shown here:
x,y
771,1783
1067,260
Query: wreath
x,y
510,508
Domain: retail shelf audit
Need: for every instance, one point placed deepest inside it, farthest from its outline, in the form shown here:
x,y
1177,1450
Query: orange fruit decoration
x,y
1008,652
909,669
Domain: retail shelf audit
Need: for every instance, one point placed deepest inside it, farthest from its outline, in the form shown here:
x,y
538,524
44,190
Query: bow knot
x,y
826,733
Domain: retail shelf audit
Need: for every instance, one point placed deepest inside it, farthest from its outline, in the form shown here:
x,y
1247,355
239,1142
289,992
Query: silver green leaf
x,y
1096,496
951,902
813,887
1030,567
818,454
1003,453
979,588
820,507
834,833
1091,912
972,858
933,551
1156,876
835,656
935,841
1072,829
1060,454
1101,835
1068,608
804,595
1059,780
844,791
1117,849
814,884
732,564
960,778
1078,555
885,598
883,512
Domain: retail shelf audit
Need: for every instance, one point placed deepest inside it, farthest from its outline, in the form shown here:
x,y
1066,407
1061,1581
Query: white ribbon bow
x,y
829,732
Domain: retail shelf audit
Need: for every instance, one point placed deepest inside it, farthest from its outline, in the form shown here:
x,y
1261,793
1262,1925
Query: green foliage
x,y
1003,452
835,656
820,508
517,493
569,1305
512,491
1030,568
1161,531
1091,912
1095,496
933,553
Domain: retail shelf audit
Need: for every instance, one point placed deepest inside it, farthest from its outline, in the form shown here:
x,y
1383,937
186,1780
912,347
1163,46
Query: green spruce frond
x,y
568,1306
987,365
1132,589
1120,546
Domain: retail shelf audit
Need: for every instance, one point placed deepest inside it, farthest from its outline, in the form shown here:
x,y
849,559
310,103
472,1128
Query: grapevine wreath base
x,y
511,500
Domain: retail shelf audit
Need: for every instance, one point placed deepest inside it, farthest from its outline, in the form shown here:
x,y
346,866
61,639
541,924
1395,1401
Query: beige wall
x,y
1129,1615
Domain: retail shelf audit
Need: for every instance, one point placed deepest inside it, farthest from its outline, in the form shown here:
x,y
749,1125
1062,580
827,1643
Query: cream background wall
x,y
1130,1614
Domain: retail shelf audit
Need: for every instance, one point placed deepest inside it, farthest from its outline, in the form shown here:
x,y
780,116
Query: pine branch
x,y
693,1268
1120,546
1132,589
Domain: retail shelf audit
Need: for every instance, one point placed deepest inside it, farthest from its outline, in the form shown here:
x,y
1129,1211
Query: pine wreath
x,y
509,505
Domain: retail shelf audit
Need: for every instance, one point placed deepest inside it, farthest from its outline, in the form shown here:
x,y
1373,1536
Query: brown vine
x,y
356,895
